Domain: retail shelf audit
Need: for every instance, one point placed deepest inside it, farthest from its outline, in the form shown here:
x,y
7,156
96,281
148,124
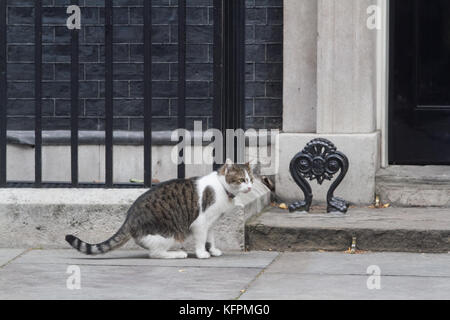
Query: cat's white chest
x,y
222,202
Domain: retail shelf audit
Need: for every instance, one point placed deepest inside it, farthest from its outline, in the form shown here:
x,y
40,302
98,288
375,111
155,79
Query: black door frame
x,y
393,90
391,86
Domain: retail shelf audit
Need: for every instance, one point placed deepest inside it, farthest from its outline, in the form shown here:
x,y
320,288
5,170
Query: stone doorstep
x,y
40,218
423,230
414,186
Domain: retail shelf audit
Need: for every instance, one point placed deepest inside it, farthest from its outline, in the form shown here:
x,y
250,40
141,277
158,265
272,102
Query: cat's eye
x,y
242,180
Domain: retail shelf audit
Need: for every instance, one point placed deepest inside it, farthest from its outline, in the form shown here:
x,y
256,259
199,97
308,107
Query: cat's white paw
x,y
180,255
168,255
215,252
203,254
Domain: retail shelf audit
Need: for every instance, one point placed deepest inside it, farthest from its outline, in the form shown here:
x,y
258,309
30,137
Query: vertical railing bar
x,y
416,40
218,69
74,92
242,64
3,93
148,93
240,114
38,93
236,48
109,98
181,75
229,69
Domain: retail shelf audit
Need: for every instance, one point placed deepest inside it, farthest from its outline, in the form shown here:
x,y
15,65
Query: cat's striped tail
x,y
119,239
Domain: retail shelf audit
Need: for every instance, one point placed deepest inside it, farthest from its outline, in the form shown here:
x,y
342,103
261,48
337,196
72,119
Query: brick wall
x,y
263,69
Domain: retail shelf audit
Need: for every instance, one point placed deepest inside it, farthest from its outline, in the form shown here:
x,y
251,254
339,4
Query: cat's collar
x,y
229,194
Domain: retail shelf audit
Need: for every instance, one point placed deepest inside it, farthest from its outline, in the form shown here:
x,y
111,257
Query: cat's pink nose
x,y
249,189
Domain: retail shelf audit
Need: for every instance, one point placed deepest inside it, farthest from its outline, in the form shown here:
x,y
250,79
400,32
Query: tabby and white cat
x,y
175,209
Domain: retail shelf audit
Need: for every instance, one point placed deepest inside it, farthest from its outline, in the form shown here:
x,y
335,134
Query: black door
x,y
419,119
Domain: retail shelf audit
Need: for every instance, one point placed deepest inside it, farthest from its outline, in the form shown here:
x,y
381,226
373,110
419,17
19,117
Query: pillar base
x,y
358,187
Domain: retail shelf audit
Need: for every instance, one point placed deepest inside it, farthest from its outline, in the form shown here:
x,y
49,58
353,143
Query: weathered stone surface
x,y
48,281
7,255
393,229
128,163
342,276
254,259
128,160
42,274
300,66
330,287
346,68
40,218
390,263
416,186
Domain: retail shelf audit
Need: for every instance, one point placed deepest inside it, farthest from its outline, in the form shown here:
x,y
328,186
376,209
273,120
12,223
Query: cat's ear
x,y
229,162
227,165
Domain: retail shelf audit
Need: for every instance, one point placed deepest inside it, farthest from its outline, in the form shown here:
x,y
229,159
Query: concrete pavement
x,y
43,274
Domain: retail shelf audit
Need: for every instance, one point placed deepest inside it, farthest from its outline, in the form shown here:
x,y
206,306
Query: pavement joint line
x,y
362,275
142,265
263,269
243,291
16,257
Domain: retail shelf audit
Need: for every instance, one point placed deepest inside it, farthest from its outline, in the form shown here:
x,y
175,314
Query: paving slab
x,y
345,287
6,255
42,274
391,229
334,263
48,281
344,276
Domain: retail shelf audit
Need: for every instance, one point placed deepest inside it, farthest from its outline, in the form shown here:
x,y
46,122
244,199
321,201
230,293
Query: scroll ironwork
x,y
319,161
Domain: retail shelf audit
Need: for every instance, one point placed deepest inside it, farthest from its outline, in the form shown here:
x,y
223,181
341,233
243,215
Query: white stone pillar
x,y
346,67
330,78
300,66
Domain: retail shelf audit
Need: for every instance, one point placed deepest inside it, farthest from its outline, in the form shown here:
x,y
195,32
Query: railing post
x,y
229,68
148,93
74,97
181,75
3,95
38,93
109,97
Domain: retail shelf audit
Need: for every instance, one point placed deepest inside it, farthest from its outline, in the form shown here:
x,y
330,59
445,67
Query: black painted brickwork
x,y
263,68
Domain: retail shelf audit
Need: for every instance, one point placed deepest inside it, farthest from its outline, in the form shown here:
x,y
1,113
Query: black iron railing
x,y
228,47
229,67
3,93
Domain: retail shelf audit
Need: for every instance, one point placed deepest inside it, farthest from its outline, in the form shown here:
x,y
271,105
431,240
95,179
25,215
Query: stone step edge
x,y
271,238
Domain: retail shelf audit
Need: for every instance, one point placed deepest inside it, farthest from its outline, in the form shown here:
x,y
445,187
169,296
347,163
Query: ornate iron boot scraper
x,y
319,161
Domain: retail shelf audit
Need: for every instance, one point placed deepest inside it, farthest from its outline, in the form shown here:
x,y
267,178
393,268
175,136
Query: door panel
x,y
419,82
